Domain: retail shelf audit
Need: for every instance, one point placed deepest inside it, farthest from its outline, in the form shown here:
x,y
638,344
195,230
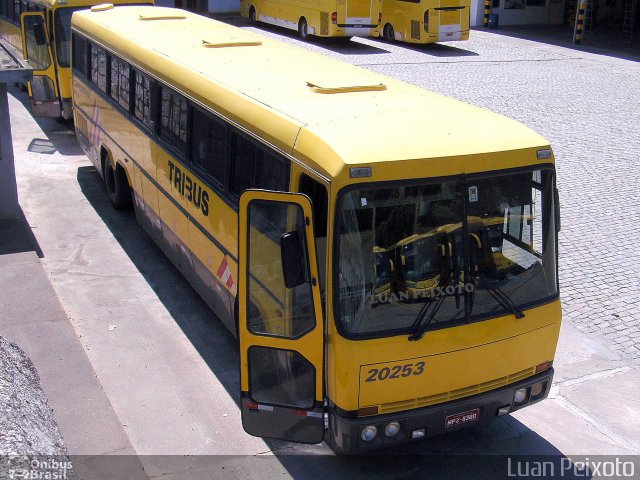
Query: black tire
x,y
253,19
303,29
117,186
388,33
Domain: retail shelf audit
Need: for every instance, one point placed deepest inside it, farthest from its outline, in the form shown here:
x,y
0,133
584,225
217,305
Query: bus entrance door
x,y
280,323
37,49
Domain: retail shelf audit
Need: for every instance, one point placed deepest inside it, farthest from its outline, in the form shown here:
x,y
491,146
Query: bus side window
x,y
16,12
120,83
254,166
320,200
142,95
99,67
173,119
209,145
80,54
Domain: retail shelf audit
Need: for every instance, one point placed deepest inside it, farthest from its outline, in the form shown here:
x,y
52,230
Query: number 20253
x,y
398,371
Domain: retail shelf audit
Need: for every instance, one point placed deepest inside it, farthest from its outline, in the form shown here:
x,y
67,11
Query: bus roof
x,y
302,112
81,3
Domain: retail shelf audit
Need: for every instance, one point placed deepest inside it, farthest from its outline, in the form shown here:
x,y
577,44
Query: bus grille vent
x,y
456,394
324,23
415,29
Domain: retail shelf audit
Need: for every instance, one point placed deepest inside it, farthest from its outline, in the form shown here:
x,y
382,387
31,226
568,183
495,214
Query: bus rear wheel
x,y
303,29
388,33
117,186
253,19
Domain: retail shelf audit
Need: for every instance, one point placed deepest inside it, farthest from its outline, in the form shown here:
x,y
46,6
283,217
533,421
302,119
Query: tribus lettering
x,y
189,188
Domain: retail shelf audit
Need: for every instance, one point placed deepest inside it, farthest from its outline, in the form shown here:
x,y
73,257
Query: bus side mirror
x,y
38,33
293,259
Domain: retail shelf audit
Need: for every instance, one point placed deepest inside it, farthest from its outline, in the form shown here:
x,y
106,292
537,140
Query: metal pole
x,y
578,29
9,206
487,12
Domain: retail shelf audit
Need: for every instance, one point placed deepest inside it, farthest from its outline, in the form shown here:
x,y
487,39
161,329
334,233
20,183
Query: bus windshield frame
x,y
508,263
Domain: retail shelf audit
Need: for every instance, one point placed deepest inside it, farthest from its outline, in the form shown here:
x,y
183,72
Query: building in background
x,y
618,20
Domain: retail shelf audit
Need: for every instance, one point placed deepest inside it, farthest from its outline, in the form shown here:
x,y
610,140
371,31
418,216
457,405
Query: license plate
x,y
461,418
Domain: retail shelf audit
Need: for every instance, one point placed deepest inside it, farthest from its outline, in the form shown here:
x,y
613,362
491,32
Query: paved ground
x,y
167,369
586,105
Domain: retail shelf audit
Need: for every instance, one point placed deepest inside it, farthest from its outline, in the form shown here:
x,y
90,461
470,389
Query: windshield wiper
x,y
505,301
423,321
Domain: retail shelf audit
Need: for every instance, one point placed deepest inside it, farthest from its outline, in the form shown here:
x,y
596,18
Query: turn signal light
x,y
543,367
366,411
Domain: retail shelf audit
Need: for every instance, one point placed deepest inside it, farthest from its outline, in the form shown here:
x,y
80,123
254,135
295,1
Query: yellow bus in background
x,y
41,30
321,18
279,181
425,21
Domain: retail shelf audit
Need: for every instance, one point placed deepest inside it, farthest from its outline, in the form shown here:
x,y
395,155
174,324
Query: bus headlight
x,y
520,395
369,433
392,429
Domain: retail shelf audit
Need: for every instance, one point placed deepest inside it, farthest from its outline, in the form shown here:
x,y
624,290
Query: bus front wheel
x,y
117,186
253,19
303,29
389,34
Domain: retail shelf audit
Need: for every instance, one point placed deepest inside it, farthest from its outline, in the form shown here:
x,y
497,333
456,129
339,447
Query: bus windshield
x,y
62,25
455,251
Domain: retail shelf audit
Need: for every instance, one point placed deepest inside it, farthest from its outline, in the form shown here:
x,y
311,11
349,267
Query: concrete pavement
x,y
133,361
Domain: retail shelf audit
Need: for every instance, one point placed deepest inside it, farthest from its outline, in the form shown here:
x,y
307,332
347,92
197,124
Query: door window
x,y
37,48
281,304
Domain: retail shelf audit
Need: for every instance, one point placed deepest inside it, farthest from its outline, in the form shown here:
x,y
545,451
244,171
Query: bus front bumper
x,y
345,433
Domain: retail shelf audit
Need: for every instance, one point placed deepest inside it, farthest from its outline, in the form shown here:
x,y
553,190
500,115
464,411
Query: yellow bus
x,y
41,30
321,18
425,21
276,178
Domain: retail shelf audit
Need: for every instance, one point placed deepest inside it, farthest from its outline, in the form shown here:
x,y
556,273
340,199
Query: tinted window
x,y
37,53
120,89
142,109
99,67
209,144
80,54
254,167
320,201
173,119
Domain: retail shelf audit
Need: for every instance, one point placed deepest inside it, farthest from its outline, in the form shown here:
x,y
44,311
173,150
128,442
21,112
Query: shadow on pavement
x,y
190,312
440,50
59,134
16,236
482,451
